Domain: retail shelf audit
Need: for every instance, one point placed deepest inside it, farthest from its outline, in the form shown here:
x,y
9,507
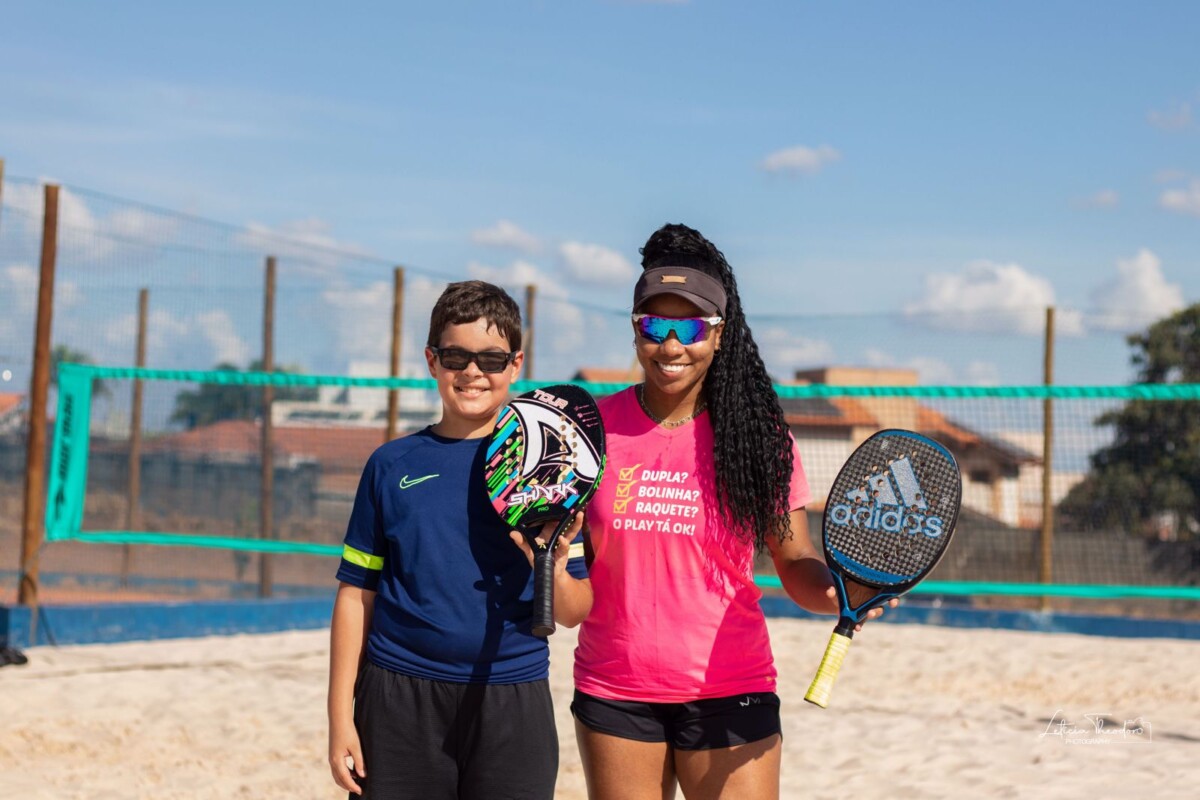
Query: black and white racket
x,y
545,458
889,517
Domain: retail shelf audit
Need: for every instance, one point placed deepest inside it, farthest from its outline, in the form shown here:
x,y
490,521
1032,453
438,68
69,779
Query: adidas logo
x,y
891,501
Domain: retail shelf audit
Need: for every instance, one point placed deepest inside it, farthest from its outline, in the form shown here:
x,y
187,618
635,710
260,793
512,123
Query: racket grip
x,y
543,591
831,662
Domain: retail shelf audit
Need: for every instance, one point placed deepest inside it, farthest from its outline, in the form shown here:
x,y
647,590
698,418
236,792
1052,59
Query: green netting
x,y
1177,391
204,494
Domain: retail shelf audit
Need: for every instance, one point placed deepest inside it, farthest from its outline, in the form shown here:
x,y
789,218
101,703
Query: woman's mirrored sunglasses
x,y
688,330
456,358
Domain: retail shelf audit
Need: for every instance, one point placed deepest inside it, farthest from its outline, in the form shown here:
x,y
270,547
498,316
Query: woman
x,y
675,681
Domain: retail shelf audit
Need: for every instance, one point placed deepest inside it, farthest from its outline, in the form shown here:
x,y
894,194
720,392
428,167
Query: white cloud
x,y
1170,176
217,328
593,263
306,245
84,235
936,372
1182,201
1138,295
19,285
163,332
361,319
1177,118
987,297
519,273
202,339
1105,198
784,352
507,235
557,329
800,159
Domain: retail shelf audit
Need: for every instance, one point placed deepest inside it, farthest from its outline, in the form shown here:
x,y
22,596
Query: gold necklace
x,y
641,397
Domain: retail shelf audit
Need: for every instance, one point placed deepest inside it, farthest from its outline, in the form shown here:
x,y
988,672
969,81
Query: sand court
x,y
918,711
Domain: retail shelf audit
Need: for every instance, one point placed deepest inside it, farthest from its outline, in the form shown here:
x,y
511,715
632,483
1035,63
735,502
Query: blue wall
x,y
102,623
123,622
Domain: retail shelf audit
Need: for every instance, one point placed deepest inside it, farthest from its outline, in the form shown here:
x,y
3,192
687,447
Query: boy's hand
x,y
563,548
346,760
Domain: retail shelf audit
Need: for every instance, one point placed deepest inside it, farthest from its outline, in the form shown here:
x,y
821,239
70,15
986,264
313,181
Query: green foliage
x,y
62,353
1148,480
213,402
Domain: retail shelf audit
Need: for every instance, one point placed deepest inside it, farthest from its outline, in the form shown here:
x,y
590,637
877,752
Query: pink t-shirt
x,y
676,615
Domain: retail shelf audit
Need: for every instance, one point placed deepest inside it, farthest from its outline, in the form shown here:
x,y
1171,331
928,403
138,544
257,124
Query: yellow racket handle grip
x,y
831,662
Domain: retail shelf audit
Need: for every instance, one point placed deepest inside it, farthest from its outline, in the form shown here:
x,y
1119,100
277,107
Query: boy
x,y
437,688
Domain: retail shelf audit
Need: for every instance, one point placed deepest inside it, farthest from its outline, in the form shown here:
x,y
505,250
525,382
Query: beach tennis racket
x,y
544,460
889,517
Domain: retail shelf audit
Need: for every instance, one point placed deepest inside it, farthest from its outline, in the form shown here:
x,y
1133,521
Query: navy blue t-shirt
x,y
454,595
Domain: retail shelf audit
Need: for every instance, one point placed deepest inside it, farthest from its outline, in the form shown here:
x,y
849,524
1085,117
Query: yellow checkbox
x,y
619,506
627,473
623,489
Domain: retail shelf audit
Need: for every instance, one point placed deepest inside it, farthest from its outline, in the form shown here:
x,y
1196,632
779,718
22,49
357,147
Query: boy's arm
x,y
352,612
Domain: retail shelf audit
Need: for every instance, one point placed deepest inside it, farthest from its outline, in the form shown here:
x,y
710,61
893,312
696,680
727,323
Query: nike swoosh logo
x,y
405,483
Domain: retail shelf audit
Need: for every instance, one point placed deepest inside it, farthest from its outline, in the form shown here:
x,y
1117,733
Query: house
x,y
12,412
997,472
828,429
633,374
361,406
337,453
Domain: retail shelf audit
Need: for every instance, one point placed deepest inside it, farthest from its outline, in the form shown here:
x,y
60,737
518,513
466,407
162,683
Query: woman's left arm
x,y
801,569
803,573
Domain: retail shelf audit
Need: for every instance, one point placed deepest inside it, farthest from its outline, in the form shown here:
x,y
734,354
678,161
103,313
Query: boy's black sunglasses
x,y
456,358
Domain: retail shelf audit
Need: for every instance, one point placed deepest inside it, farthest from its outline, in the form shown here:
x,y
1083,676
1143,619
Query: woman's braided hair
x,y
752,448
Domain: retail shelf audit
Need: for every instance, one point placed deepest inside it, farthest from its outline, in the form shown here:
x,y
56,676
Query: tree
x,y
62,353
1148,479
212,402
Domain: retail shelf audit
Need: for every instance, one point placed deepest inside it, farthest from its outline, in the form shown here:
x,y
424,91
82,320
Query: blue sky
x,y
865,167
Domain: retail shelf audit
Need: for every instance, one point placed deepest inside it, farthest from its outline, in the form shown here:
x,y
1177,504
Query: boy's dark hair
x,y
467,301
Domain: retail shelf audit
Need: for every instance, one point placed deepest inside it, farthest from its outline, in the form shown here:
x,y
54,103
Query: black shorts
x,y
432,740
699,725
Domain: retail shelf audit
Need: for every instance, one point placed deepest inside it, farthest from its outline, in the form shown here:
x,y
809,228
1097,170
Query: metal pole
x,y
393,412
133,509
266,508
39,391
527,345
1047,559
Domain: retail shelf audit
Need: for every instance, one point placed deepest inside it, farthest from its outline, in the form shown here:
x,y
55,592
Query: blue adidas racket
x,y
545,458
888,520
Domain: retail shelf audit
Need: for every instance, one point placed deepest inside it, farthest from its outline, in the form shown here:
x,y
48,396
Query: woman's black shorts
x,y
698,725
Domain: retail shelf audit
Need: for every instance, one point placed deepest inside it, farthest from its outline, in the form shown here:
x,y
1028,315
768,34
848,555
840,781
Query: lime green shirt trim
x,y
361,559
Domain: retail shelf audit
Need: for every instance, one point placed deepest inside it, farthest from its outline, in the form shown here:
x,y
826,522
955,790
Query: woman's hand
x,y
874,613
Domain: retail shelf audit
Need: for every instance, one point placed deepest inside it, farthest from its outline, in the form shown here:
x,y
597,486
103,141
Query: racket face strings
x,y
892,509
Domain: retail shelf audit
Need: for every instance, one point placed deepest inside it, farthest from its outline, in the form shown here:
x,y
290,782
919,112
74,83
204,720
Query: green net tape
x,y
1092,591
68,470
1174,391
